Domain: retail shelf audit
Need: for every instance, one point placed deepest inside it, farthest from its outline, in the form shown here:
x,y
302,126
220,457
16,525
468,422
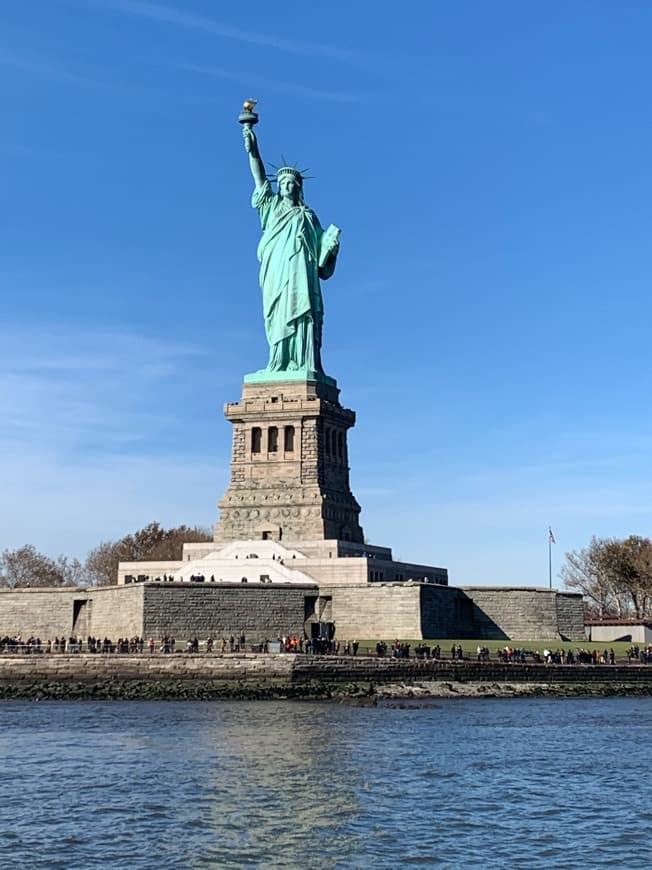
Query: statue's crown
x,y
289,170
286,169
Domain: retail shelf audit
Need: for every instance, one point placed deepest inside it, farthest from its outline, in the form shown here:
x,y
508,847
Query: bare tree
x,y
587,571
102,563
152,543
630,563
615,576
25,567
71,571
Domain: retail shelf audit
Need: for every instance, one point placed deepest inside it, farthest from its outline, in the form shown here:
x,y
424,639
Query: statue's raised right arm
x,y
255,161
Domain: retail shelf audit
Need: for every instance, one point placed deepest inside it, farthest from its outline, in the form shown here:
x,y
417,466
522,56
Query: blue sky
x,y
489,319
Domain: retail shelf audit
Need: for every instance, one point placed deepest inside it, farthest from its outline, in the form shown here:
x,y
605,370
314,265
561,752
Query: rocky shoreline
x,y
432,689
366,693
303,677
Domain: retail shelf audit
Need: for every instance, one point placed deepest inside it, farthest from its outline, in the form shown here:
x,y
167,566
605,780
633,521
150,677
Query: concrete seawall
x,y
252,675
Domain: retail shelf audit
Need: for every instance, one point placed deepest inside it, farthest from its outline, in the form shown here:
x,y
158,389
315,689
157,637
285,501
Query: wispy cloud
x,y
70,506
36,67
190,20
496,537
52,71
278,87
81,389
93,442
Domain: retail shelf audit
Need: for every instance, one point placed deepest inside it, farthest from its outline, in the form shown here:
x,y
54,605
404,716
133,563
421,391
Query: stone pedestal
x,y
289,469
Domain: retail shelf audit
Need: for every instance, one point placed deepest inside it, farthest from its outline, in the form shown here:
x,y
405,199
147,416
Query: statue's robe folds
x,y
289,253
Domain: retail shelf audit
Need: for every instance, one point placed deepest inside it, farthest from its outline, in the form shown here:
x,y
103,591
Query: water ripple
x,y
507,783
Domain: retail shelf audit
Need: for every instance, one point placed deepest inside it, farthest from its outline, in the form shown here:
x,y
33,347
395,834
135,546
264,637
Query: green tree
x,y
152,543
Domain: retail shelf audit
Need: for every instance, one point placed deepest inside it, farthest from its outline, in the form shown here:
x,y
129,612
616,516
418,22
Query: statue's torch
x,y
247,116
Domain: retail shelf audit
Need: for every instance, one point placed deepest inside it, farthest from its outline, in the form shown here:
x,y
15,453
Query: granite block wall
x,y
375,611
116,611
378,610
184,611
290,669
98,668
525,613
445,612
48,613
570,616
44,613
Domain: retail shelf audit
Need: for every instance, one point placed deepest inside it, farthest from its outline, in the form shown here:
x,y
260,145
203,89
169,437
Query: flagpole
x,y
551,541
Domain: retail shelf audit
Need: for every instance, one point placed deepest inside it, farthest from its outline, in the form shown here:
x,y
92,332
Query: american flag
x,y
551,537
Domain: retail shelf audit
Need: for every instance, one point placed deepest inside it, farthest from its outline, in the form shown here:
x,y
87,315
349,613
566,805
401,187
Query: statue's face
x,y
289,188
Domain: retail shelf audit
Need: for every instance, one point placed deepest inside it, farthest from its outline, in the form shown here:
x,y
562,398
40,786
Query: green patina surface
x,y
295,254
267,376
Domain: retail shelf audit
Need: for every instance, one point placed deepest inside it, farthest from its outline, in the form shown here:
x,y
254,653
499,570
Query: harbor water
x,y
524,782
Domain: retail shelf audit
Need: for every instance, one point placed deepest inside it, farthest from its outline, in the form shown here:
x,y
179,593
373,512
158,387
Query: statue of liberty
x,y
294,254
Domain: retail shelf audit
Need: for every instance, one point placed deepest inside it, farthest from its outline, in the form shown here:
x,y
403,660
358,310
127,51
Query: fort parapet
x,y
358,610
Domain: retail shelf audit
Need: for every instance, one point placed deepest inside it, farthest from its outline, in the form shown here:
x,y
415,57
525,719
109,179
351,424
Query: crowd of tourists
x,y
401,650
290,643
520,655
316,645
643,655
295,643
71,644
579,656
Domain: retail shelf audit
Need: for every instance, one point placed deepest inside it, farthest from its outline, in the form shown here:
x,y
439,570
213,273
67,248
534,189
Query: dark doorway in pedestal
x,y
322,629
80,617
